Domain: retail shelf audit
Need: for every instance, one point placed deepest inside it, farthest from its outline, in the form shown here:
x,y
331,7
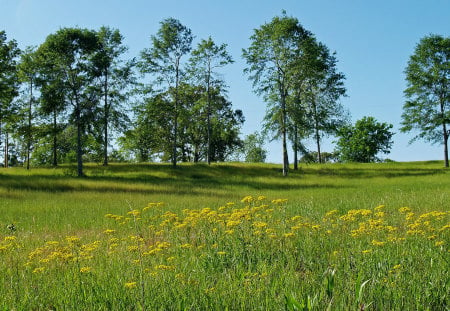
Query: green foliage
x,y
66,56
427,109
152,135
364,141
116,79
299,81
313,157
202,65
169,45
9,87
271,58
253,148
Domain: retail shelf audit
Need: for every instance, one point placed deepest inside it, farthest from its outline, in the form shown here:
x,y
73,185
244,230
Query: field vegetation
x,y
227,236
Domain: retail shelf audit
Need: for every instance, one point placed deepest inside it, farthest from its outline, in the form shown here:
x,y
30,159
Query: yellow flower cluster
x,y
158,240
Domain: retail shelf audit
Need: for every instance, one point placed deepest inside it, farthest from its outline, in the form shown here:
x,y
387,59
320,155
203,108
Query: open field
x,y
236,236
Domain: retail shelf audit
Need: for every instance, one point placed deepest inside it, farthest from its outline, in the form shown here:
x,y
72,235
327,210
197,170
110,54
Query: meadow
x,y
226,237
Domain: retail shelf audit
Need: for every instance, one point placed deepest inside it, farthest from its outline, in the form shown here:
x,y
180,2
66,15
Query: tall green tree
x,y
67,56
164,59
116,77
52,106
308,66
9,84
205,59
326,89
253,148
226,124
313,106
364,141
427,109
270,58
28,71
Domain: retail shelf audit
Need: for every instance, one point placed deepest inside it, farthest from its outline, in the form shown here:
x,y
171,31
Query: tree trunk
x,y
445,132
79,145
6,149
0,128
208,111
317,134
106,112
208,154
295,148
29,126
319,155
55,140
445,145
283,133
175,121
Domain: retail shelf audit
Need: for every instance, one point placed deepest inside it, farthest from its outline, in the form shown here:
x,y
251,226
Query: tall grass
x,y
228,236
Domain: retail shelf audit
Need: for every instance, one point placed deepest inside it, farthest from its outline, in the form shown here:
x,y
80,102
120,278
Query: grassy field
x,y
230,236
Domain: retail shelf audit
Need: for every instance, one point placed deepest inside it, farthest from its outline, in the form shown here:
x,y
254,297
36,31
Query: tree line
x,y
64,100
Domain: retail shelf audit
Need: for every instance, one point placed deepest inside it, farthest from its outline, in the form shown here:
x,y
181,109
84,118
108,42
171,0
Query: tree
x,y
363,141
51,108
67,57
9,84
170,44
253,148
28,70
313,103
204,60
225,128
116,76
152,132
325,111
271,56
427,109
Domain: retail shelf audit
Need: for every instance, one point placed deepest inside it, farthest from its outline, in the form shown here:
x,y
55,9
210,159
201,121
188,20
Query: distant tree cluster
x,y
64,100
298,79
71,97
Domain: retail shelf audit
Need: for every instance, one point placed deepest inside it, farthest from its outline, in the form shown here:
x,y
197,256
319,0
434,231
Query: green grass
x,y
212,263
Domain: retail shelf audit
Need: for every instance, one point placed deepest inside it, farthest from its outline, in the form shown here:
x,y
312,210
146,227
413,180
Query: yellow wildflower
x,y
259,224
130,285
247,199
378,243
379,207
404,210
39,270
164,267
288,235
86,269
380,214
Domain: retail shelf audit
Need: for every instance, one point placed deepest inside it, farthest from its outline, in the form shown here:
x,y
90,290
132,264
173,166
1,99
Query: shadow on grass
x,y
189,179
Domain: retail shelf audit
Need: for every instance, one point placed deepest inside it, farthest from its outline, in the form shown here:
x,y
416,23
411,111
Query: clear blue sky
x,y
373,41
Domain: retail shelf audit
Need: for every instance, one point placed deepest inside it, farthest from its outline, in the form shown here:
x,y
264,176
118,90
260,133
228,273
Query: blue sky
x,y
373,41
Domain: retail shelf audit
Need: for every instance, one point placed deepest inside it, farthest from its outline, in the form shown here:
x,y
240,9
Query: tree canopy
x,y
76,96
363,141
427,109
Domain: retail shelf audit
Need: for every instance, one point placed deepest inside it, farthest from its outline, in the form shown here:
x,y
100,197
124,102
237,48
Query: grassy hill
x,y
53,196
334,235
